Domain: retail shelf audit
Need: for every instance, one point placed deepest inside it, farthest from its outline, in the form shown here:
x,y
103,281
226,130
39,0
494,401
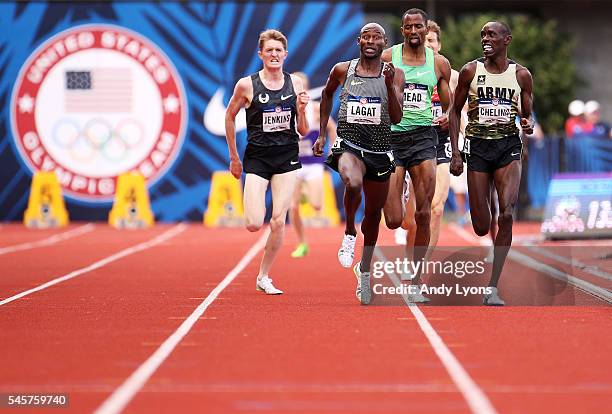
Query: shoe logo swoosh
x,y
214,115
283,97
293,162
514,154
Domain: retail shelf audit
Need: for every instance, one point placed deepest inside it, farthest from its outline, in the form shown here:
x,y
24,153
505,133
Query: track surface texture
x,y
168,320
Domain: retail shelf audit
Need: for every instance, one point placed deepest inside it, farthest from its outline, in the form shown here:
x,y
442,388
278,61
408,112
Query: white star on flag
x,y
26,103
171,104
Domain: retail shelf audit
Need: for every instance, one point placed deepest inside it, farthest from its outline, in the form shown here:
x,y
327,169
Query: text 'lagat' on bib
x,y
363,110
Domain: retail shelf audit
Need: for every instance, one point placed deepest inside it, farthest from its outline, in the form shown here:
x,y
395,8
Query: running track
x,y
137,321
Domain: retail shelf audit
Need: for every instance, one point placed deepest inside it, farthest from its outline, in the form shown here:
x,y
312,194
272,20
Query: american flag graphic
x,y
101,90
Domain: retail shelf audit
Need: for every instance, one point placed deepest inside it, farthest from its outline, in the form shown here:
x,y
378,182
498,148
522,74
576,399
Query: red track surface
x,y
311,350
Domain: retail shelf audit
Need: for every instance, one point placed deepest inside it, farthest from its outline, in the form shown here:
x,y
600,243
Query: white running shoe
x,y
407,275
493,299
363,292
265,284
418,297
347,250
400,236
490,255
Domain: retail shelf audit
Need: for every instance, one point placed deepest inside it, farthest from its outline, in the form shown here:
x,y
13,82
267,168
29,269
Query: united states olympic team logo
x,y
96,101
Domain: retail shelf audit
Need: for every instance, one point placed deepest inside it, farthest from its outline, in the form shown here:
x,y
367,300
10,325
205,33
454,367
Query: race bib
x,y
363,110
466,146
494,111
415,97
436,109
277,118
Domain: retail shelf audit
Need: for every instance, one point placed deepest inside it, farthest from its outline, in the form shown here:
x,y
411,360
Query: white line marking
x,y
49,240
593,270
534,264
583,285
168,234
121,397
473,394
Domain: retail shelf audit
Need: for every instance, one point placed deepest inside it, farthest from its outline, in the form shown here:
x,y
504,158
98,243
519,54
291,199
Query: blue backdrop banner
x,y
91,90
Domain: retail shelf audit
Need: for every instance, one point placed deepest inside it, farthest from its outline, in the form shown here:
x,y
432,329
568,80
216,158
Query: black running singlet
x,y
272,115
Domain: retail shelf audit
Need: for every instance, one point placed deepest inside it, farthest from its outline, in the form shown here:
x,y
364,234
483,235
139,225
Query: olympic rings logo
x,y
98,138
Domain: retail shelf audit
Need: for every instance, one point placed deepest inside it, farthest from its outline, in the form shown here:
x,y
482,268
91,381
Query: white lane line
x,y
49,240
542,268
550,271
168,234
122,396
474,396
593,270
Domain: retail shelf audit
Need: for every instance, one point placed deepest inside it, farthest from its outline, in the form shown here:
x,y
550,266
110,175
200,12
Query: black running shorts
x,y
413,147
270,160
378,166
487,155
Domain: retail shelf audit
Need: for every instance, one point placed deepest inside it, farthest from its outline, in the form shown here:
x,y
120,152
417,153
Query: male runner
x,y
369,102
497,90
275,103
414,139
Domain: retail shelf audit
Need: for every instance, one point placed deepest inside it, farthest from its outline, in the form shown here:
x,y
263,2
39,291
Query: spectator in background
x,y
576,124
600,129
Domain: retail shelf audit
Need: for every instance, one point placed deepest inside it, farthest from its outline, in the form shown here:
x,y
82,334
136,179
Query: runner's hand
x,y
527,125
441,121
236,168
389,72
456,164
317,148
302,100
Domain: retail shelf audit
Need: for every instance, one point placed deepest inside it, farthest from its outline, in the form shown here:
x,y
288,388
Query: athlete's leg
x,y
314,192
480,203
423,177
282,191
375,196
294,213
394,205
494,207
409,223
507,182
351,170
255,201
437,204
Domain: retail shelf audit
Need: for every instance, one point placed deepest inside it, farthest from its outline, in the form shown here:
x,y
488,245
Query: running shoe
x,y
493,299
347,250
417,297
490,255
300,251
400,236
265,284
363,292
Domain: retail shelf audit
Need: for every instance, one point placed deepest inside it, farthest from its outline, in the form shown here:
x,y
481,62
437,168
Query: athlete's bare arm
x,y
443,73
525,81
463,87
336,78
387,55
394,80
243,94
302,99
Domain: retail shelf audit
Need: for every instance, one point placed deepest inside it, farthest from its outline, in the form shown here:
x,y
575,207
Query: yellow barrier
x,y
46,206
131,208
225,207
